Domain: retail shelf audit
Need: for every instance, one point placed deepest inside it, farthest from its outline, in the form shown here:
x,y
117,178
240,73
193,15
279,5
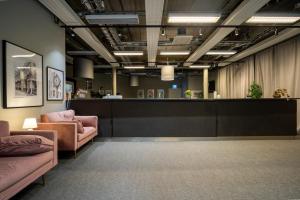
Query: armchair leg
x,y
75,154
43,180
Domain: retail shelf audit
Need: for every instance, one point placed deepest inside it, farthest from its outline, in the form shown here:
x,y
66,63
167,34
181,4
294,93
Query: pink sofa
x,y
69,138
17,173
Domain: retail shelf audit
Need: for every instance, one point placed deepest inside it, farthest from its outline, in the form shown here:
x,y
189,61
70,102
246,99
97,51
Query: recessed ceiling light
x,y
174,53
199,66
128,53
134,67
273,19
192,18
214,52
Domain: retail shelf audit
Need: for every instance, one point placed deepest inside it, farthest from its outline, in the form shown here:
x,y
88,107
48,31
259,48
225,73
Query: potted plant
x,y
255,91
188,94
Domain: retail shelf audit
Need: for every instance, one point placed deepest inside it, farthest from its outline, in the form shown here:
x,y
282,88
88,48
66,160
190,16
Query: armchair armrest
x,y
49,134
66,133
88,120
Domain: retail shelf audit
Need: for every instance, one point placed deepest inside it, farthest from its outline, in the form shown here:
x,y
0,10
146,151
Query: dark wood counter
x,y
191,118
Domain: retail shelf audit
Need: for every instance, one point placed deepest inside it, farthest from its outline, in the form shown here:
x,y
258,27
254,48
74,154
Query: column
x,y
205,83
114,80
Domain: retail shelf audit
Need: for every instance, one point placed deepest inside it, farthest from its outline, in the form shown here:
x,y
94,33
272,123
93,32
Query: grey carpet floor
x,y
171,170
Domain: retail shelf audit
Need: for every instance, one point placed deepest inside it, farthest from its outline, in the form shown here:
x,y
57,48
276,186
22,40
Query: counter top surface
x,y
184,100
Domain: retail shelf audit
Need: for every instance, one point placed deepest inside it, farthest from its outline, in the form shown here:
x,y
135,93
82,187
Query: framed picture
x,y
70,86
150,93
160,93
140,94
22,77
55,84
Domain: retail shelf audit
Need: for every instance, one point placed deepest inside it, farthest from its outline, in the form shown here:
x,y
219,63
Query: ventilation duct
x,y
113,19
134,81
84,68
167,73
181,31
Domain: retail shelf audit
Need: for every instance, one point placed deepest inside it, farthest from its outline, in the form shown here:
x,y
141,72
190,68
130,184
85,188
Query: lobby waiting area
x,y
149,99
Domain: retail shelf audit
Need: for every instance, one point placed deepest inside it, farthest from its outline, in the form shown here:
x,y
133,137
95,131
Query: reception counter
x,y
191,118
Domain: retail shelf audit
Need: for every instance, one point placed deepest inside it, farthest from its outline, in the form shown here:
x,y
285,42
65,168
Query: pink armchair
x,y
17,172
69,136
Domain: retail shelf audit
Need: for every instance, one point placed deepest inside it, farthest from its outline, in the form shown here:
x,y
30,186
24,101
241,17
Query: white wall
x,y
27,23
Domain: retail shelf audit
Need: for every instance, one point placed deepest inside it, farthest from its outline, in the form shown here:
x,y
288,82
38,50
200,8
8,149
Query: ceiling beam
x,y
154,11
243,12
66,14
271,41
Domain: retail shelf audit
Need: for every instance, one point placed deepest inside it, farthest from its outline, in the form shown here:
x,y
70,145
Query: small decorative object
x,y
81,93
30,124
196,94
255,91
55,84
150,93
188,94
89,84
281,93
141,94
108,92
215,94
161,93
22,77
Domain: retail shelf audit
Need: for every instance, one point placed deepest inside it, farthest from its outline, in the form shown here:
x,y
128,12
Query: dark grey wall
x,y
28,24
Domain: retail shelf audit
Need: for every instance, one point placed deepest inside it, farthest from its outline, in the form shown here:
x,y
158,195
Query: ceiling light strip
x,y
192,18
128,53
174,53
215,52
273,19
134,67
199,66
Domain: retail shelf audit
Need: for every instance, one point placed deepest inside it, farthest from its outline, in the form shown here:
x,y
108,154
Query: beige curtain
x,y
234,80
222,86
264,73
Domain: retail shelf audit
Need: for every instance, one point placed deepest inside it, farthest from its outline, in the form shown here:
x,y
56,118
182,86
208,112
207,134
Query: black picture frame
x,y
5,78
73,81
62,86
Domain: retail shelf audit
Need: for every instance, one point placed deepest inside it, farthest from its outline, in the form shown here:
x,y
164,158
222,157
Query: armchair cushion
x,y
4,128
24,145
75,121
67,115
87,132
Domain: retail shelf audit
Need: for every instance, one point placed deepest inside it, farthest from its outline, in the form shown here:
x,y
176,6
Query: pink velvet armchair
x,y
70,138
17,172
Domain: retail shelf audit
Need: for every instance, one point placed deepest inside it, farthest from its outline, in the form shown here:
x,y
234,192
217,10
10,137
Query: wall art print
x,y
55,84
22,77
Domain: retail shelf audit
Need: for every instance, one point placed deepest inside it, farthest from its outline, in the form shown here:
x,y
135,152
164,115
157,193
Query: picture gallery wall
x,y
32,57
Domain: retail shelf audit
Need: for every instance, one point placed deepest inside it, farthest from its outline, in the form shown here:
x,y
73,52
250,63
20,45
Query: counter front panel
x,y
191,118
